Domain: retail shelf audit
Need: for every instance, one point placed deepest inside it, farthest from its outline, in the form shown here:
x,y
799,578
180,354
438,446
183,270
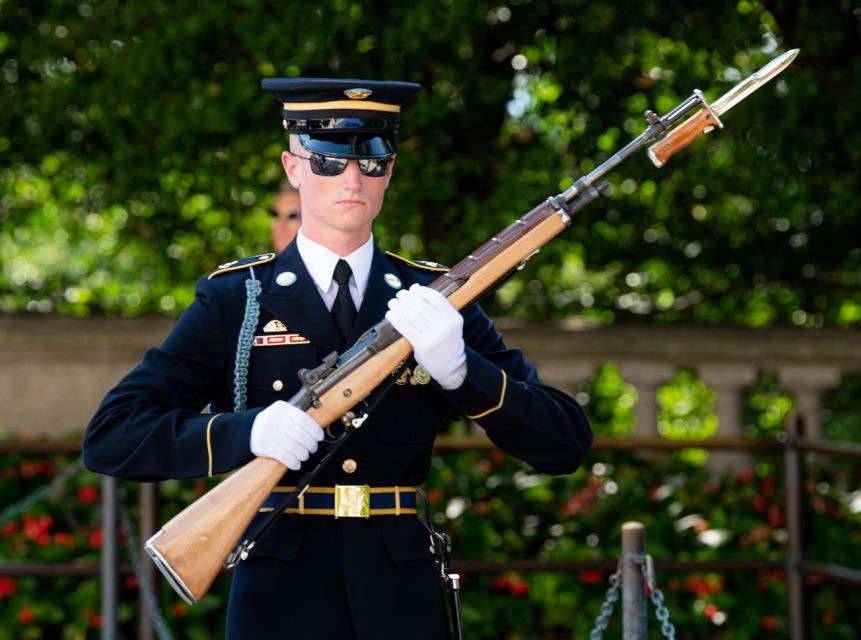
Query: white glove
x,y
435,330
285,433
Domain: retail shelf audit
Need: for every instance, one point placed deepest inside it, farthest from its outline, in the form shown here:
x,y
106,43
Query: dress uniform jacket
x,y
316,576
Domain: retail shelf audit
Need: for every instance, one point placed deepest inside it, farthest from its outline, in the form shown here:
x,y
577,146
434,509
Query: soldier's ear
x,y
291,165
389,172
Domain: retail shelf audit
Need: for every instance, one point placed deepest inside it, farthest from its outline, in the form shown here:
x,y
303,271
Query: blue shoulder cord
x,y
243,345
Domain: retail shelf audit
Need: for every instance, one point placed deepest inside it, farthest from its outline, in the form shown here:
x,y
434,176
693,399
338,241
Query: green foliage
x,y
609,402
496,508
138,151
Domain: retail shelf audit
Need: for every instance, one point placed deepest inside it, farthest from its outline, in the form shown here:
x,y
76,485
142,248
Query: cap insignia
x,y
357,94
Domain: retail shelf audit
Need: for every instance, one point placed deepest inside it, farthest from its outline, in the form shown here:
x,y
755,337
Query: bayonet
x,y
708,117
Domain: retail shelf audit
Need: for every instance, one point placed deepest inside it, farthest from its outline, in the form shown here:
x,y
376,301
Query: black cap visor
x,y
348,145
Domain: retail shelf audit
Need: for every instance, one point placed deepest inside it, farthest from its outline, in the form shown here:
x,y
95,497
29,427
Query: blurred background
x,y
719,296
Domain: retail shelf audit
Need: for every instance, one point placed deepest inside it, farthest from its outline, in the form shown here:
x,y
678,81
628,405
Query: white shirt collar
x,y
320,262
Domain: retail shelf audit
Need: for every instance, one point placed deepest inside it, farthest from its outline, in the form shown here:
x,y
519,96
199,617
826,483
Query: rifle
x,y
192,547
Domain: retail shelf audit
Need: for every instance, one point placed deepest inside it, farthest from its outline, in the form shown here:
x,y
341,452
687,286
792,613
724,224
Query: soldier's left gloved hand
x,y
435,330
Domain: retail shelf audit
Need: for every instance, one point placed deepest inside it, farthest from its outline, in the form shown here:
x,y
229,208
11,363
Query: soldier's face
x,y
339,207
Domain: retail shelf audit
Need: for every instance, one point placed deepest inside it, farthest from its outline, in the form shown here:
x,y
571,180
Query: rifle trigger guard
x,y
238,554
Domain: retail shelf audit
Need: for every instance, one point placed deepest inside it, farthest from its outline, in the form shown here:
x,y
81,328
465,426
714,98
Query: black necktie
x,y
343,311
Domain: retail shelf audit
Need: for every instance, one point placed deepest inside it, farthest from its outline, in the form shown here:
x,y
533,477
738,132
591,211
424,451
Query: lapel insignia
x,y
420,375
274,325
392,280
282,339
404,378
286,278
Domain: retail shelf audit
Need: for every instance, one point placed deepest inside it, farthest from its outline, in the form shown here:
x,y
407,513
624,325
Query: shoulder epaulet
x,y
244,263
419,264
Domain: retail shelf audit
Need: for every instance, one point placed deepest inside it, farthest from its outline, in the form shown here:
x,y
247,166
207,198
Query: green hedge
x,y
139,152
498,509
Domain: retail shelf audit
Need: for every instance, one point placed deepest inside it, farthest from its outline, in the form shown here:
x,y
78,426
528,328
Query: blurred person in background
x,y
286,217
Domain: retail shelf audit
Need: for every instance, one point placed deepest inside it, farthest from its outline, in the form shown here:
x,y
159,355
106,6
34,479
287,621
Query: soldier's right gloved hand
x,y
285,433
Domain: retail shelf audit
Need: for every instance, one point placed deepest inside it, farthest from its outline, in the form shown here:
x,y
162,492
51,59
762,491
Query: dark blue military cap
x,y
340,117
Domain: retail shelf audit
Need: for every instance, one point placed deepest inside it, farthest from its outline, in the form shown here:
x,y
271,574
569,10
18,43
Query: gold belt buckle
x,y
352,501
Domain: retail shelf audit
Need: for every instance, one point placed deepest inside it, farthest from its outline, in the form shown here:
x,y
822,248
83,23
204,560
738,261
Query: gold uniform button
x,y
278,385
349,465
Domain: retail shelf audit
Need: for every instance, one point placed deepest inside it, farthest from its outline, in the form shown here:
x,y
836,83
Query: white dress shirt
x,y
321,262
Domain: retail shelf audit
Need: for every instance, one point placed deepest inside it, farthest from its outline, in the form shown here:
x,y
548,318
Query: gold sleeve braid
x,y
209,440
498,405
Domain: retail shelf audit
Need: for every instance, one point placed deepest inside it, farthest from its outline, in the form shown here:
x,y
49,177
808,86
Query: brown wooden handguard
x,y
680,137
196,542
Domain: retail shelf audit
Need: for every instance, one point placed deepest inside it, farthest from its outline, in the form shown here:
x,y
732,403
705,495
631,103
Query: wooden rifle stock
x,y
192,547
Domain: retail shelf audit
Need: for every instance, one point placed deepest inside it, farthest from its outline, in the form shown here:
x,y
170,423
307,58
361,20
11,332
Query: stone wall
x,y
54,371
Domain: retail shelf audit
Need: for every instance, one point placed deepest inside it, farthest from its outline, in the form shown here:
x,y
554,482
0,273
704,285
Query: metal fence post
x,y
147,526
634,614
109,559
793,468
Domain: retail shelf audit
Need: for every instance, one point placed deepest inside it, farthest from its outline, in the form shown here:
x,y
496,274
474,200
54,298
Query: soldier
x,y
315,575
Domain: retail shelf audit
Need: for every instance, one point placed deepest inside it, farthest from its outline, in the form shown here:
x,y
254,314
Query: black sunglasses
x,y
328,166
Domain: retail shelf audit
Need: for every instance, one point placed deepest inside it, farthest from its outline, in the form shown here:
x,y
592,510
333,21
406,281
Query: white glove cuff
x,y
455,379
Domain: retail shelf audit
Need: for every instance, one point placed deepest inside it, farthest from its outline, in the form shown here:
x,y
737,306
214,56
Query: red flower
x,y
28,469
704,587
9,529
96,621
712,488
434,495
828,618
774,516
590,577
500,583
96,539
8,587
26,616
35,528
518,587
88,494
482,507
745,476
497,456
710,610
769,623
178,610
130,582
64,539
815,580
